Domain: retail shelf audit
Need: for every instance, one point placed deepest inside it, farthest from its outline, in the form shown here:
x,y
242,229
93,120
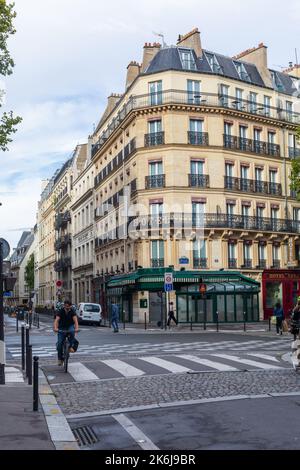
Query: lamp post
x,y
2,344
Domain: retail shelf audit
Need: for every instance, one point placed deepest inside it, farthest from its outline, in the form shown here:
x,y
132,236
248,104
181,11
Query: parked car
x,y
89,313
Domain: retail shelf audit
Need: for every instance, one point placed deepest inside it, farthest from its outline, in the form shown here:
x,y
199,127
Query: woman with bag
x,y
278,313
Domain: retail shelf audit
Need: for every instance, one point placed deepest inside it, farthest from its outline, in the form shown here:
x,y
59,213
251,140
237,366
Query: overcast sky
x,y
71,54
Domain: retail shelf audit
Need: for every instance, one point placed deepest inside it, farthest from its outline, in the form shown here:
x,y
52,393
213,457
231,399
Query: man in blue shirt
x,y
279,314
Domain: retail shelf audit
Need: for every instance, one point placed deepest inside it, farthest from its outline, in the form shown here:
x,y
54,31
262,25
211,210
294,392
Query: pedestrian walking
x,y
279,314
115,317
171,315
295,319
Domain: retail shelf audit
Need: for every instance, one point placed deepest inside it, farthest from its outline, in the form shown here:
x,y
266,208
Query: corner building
x,y
202,145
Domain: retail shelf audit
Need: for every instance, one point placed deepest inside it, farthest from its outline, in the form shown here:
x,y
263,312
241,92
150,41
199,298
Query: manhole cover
x,y
85,436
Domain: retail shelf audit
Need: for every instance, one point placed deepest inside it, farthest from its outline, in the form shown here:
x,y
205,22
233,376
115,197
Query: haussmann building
x,y
192,166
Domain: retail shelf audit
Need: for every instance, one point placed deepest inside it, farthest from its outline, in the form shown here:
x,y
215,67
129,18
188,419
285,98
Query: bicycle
x,y
66,348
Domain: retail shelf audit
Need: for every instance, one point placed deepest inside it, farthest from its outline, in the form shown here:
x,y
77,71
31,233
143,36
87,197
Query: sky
x,y
70,55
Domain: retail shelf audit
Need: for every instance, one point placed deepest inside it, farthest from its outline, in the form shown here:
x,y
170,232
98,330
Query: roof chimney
x,y
293,70
191,40
150,51
259,57
133,70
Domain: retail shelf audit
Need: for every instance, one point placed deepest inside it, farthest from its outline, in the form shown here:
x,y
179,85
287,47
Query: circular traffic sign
x,y
168,279
5,248
58,283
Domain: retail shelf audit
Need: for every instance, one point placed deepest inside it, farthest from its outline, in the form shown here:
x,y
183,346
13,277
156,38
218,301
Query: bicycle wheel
x,y
66,355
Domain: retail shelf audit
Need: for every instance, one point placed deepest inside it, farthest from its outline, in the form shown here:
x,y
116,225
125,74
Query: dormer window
x,y
213,63
276,81
187,59
241,70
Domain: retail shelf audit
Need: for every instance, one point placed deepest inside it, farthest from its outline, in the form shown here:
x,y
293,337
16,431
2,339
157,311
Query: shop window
x,y
230,308
274,294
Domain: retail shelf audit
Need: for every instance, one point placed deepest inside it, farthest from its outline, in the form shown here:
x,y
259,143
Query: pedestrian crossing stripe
x,y
170,366
209,363
247,362
125,369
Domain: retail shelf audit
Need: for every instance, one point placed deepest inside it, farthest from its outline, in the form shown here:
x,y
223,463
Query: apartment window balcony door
x,y
198,211
238,98
253,102
257,140
157,253
155,93
197,167
199,254
224,96
193,88
267,105
155,126
247,255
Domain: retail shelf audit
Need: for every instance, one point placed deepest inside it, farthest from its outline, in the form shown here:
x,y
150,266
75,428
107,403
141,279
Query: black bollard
x,y
269,323
217,314
245,322
145,315
38,320
27,348
35,383
17,323
191,325
30,364
23,345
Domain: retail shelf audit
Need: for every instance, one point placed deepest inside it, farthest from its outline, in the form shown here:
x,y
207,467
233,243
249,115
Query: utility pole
x,y
2,344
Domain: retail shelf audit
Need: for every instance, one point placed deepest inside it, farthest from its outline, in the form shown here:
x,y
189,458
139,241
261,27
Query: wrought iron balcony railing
x,y
262,264
248,145
199,181
154,138
155,181
63,264
200,263
247,264
62,220
204,100
157,262
276,263
198,138
62,242
252,186
294,152
232,263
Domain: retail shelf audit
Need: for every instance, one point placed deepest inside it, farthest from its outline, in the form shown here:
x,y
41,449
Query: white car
x,y
90,313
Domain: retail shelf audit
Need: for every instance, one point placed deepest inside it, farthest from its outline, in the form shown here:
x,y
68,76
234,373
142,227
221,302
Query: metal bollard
x,y
245,322
23,345
217,314
191,325
124,321
145,315
27,347
38,320
269,323
35,383
17,323
30,364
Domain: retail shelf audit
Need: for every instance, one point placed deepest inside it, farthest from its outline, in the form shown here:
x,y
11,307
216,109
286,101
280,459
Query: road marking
x,y
140,438
125,369
170,366
206,362
13,375
264,356
248,362
80,372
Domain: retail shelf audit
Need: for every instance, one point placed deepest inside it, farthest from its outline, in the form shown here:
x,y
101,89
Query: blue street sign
x,y
7,294
184,260
168,287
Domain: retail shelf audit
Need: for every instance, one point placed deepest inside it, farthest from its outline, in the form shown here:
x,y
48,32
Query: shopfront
x,y
280,286
230,297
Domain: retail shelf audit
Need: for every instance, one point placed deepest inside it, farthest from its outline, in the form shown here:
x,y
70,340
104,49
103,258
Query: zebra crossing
x,y
279,345
156,365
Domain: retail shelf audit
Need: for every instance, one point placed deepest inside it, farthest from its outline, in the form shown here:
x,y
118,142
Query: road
x,y
175,389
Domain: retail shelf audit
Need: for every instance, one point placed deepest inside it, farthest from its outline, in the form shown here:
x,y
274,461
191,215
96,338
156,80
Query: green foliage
x,y
8,122
29,273
295,173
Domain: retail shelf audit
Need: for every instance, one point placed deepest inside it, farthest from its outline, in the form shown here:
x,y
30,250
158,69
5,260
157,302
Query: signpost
x,y
168,286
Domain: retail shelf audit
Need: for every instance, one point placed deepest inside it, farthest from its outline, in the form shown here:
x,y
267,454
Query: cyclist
x,y
66,319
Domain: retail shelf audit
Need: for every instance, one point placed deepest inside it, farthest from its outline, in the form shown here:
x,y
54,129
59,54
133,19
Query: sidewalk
x,y
21,428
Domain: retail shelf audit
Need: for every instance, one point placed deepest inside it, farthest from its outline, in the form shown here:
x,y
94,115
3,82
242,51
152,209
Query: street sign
x,y
203,288
59,292
184,260
5,248
168,282
7,294
58,283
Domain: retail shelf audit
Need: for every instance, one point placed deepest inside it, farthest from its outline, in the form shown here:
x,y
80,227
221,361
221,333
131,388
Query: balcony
x,y
198,138
62,220
157,262
253,146
62,242
198,181
200,263
155,138
294,153
155,181
62,265
247,264
252,186
276,264
232,263
262,264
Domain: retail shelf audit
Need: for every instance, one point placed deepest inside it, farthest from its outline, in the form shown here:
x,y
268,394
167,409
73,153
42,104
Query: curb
x,y
59,429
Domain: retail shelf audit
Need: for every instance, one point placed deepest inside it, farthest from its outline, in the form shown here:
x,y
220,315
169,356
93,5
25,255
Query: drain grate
x,y
85,436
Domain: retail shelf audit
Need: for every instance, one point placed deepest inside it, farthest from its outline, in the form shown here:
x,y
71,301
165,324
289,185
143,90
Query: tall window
x,y
245,210
157,253
260,212
267,105
199,254
196,125
276,255
229,170
193,88
196,167
247,254
155,126
238,98
289,110
155,168
259,184
213,63
224,95
243,137
187,59
232,261
262,255
253,102
242,72
156,209
296,214
198,210
155,93
244,172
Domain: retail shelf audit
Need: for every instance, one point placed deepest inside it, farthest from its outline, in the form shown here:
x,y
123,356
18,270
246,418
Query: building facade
x,y
19,260
191,172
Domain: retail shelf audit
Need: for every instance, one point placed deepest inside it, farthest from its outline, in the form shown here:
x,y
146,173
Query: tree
x,y
295,173
8,122
29,273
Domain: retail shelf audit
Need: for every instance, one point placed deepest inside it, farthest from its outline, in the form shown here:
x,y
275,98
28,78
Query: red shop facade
x,y
280,286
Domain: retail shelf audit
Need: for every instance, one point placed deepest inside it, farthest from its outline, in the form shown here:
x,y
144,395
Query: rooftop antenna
x,y
296,55
161,35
